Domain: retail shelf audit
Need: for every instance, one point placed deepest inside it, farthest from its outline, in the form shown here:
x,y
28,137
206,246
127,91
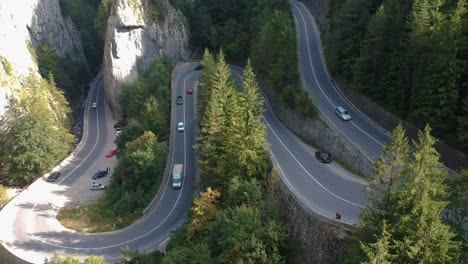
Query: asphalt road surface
x,y
368,136
34,232
29,226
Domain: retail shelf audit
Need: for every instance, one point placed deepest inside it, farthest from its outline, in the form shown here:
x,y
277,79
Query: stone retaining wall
x,y
313,239
317,132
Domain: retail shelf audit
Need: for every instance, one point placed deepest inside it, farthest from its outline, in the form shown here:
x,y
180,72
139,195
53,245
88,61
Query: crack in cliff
x,y
123,29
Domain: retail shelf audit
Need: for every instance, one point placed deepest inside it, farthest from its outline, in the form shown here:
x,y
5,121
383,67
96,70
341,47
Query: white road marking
x,y
154,208
308,173
315,76
303,168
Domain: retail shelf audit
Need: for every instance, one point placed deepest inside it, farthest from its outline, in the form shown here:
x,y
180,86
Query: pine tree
x,y
434,91
206,82
383,189
349,28
419,233
28,149
380,251
246,155
369,64
213,126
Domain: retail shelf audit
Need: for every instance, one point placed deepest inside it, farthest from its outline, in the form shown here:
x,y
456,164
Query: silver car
x,y
97,186
342,113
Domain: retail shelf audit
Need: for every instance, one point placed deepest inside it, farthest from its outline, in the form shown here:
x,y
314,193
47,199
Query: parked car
x,y
118,133
179,100
342,113
120,124
198,67
100,174
323,156
54,176
180,127
112,153
94,105
97,186
190,90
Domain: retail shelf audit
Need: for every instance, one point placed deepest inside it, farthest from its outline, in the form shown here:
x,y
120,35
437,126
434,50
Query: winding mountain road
x,y
34,232
365,134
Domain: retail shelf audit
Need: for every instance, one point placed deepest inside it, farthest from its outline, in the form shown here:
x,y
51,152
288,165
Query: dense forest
x,y
260,29
409,56
234,219
37,109
417,212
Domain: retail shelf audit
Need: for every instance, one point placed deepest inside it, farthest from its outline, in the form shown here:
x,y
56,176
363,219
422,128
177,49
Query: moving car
x,y
94,106
190,90
99,174
112,153
54,176
323,156
97,186
198,67
180,127
342,113
177,176
179,100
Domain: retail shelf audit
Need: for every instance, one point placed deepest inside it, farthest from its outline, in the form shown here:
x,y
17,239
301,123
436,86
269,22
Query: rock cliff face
x,y
136,37
26,24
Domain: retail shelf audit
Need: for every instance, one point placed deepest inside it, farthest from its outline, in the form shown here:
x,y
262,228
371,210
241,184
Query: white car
x,y
94,105
118,133
180,127
97,186
342,113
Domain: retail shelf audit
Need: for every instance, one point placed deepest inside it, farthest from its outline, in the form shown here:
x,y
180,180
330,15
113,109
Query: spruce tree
x,y
380,251
206,82
213,125
419,233
383,189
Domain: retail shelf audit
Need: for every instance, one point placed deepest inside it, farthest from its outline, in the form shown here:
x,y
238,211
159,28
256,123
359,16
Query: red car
x,y
112,153
189,90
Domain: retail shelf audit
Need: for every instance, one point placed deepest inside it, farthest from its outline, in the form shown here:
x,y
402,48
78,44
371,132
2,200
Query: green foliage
x,y
137,176
6,65
410,56
3,196
135,257
230,222
379,252
86,15
239,236
131,132
65,71
242,191
36,111
205,82
204,214
194,253
148,100
70,260
403,223
456,212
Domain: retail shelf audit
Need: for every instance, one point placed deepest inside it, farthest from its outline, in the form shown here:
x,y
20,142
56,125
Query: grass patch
x,y
94,217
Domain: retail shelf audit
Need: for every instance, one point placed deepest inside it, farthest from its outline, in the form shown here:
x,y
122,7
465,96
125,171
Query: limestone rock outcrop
x,y
139,33
24,26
